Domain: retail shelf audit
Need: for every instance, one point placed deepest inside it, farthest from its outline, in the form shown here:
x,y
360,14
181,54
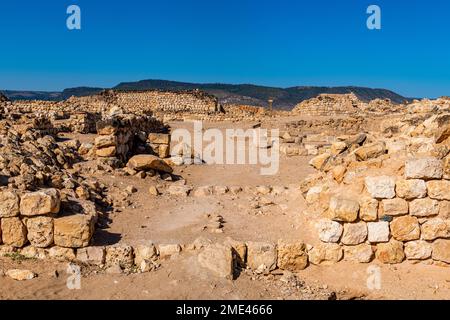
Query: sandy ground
x,y
170,219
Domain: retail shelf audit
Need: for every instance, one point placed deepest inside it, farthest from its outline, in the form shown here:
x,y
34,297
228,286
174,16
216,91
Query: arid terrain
x,y
95,204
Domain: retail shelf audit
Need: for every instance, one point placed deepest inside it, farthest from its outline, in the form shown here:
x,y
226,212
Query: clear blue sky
x,y
278,43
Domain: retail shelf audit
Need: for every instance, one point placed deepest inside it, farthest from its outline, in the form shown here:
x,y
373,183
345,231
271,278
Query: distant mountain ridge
x,y
284,98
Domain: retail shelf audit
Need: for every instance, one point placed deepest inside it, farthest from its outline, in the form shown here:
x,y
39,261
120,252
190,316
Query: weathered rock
x,y
147,162
391,252
442,133
370,151
320,161
31,252
40,231
107,152
74,231
424,168
40,203
444,209
368,209
218,259
338,147
168,250
362,253
122,256
378,231
9,204
176,190
329,231
394,207
441,251
144,252
411,189
325,253
405,228
354,233
239,249
424,207
105,141
92,255
344,210
62,254
292,256
418,250
153,191
338,173
439,189
261,255
203,191
435,228
20,275
382,187
159,138
14,232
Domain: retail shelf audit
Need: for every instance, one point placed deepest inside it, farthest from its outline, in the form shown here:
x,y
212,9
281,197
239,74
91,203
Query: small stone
x,y
382,187
40,203
144,252
326,254
362,253
320,161
153,191
391,252
405,228
130,189
218,259
264,190
439,189
394,207
344,210
411,189
121,256
338,147
144,162
378,231
338,173
418,250
370,151
292,256
203,191
424,168
424,207
106,152
168,250
441,251
20,275
354,233
261,255
62,254
176,190
329,231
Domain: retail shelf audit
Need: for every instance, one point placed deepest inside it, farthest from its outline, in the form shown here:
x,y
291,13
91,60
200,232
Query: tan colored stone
x,y
444,209
261,255
326,254
368,209
338,173
40,231
239,251
344,210
405,228
14,232
370,151
159,138
92,255
9,204
107,152
418,250
144,252
121,255
435,228
62,254
163,151
362,253
292,256
441,251
354,233
439,189
329,231
411,189
391,252
218,259
320,161
168,250
424,207
394,207
147,162
153,191
74,231
40,203
105,141
20,275
378,231
338,147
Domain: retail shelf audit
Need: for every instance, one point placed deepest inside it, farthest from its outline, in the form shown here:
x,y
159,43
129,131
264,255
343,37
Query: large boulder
x,y
40,231
144,162
218,259
14,232
9,204
424,168
40,203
